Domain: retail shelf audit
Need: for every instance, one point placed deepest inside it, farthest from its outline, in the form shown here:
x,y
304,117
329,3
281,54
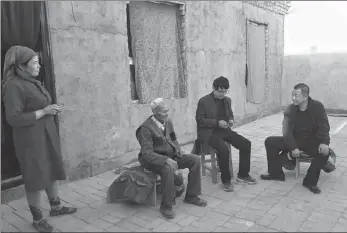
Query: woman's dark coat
x,y
36,142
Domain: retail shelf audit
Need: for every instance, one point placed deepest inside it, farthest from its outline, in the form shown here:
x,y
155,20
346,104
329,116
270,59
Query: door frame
x,y
47,56
16,182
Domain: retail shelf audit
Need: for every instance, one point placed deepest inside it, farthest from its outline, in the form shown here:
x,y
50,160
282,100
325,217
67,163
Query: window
x,y
157,63
134,95
256,62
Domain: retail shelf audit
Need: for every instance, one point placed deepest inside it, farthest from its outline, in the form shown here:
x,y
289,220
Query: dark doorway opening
x,y
22,23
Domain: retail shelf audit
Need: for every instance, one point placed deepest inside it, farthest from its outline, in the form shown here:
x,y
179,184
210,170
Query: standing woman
x,y
30,114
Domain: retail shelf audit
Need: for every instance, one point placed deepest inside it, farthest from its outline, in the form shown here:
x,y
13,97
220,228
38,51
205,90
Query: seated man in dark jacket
x,y
305,129
214,117
161,154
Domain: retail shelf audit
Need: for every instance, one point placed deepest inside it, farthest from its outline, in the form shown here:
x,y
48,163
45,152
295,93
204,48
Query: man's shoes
x,y
228,187
312,188
248,180
195,201
167,211
270,177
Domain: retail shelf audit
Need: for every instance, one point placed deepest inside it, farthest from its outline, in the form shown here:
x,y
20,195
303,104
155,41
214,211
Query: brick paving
x,y
269,206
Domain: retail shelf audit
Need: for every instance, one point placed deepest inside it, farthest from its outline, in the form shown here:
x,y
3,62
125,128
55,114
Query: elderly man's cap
x,y
156,102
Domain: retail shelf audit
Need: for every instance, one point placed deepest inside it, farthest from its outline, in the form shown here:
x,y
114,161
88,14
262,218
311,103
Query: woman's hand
x,y
52,109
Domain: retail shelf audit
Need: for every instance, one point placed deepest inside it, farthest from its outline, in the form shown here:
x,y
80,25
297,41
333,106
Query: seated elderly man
x,y
161,154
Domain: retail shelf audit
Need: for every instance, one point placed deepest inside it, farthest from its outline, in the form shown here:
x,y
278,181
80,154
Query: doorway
x,y
23,23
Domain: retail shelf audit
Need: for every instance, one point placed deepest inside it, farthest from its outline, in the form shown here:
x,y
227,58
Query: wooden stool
x,y
297,166
152,198
211,164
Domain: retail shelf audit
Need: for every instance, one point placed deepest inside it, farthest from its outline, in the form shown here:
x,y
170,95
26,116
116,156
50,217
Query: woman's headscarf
x,y
15,56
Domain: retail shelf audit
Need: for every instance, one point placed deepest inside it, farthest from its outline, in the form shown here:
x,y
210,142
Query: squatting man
x,y
305,129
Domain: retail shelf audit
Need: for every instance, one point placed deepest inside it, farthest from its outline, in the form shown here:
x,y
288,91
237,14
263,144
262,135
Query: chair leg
x,y
203,169
154,195
231,162
214,167
297,168
218,167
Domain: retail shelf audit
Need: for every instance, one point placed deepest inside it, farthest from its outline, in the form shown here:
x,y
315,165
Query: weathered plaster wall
x,y
216,37
90,53
326,75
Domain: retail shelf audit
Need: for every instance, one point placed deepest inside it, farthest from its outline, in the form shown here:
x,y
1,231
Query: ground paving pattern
x,y
269,206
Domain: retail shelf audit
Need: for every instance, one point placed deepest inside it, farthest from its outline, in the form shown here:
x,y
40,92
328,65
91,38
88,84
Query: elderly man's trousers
x,y
190,161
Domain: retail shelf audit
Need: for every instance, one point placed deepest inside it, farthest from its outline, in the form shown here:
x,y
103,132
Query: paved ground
x,y
268,206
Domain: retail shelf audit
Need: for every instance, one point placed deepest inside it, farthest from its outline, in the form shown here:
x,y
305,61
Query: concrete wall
x,y
326,75
90,53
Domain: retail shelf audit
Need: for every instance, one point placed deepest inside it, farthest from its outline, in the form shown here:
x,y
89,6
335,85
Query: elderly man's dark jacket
x,y
206,116
319,119
157,147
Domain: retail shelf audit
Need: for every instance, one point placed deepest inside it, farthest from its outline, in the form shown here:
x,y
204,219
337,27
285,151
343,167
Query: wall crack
x,y
88,29
229,53
73,13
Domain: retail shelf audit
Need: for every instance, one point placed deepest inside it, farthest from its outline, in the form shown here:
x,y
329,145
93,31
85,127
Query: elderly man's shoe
x,y
167,211
194,200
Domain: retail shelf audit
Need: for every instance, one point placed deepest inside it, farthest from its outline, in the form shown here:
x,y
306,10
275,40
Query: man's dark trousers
x,y
275,145
217,141
190,161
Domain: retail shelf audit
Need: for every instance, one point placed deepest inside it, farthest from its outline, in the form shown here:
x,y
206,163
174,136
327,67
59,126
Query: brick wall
x,y
279,7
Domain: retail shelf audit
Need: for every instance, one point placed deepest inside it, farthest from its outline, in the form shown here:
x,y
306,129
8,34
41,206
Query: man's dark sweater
x,y
311,125
303,128
220,110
